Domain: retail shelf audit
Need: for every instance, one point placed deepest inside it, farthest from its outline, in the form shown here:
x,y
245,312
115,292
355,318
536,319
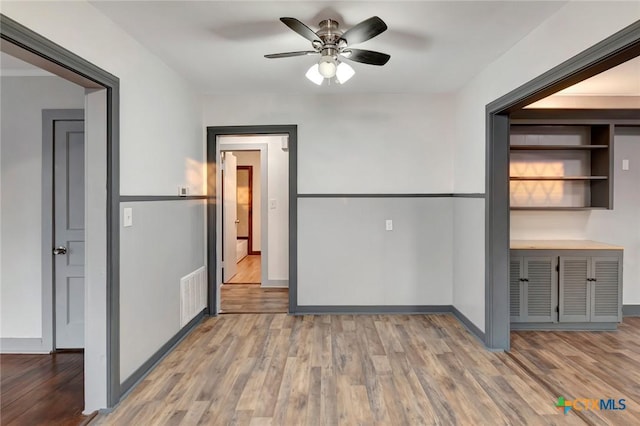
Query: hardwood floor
x,y
248,271
42,389
251,298
275,369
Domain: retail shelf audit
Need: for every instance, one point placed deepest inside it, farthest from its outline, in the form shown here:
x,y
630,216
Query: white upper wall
x,y
355,143
574,28
160,116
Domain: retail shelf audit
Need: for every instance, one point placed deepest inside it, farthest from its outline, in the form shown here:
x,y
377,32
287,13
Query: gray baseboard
x,y
23,345
564,326
631,310
371,309
473,329
144,369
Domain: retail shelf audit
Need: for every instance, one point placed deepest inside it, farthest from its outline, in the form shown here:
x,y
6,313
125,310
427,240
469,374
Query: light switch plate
x,y
625,164
272,204
127,219
388,224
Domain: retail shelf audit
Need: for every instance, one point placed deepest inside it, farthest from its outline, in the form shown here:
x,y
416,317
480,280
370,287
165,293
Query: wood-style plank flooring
x,y
251,298
275,369
591,365
42,389
248,271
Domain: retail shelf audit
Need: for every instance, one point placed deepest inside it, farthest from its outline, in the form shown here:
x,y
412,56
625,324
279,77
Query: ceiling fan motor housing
x,y
329,32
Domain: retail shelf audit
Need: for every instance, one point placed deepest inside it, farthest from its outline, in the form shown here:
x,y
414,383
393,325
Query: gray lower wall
x,y
346,257
164,244
468,259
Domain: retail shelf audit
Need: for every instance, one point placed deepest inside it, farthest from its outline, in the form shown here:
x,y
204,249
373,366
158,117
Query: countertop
x,y
561,245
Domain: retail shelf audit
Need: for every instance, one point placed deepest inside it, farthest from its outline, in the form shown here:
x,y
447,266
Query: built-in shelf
x,y
555,147
558,178
572,156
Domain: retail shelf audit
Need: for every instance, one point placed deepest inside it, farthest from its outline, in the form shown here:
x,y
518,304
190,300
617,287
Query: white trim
x,y
24,345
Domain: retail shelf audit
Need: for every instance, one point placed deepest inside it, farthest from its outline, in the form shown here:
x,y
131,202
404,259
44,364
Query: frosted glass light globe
x,y
327,66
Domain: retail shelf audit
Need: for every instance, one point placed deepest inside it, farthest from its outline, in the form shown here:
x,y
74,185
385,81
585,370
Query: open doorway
x,y
250,220
613,51
245,288
73,304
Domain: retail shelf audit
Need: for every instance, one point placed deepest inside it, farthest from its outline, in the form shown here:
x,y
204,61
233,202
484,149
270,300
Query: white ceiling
x,y
428,52
12,66
623,80
435,46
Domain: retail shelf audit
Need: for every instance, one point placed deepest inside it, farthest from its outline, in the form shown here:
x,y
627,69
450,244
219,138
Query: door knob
x,y
60,250
237,221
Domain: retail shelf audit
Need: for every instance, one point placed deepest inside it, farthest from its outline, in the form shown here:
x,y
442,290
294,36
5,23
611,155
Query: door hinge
x,y
557,308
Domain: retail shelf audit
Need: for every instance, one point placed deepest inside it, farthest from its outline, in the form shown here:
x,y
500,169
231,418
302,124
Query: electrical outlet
x,y
183,191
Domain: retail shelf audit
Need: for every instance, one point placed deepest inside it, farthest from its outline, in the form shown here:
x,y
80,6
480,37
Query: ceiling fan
x,y
333,45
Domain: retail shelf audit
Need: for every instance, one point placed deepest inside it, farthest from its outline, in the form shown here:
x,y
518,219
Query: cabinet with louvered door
x,y
540,289
591,289
533,289
606,303
575,294
565,285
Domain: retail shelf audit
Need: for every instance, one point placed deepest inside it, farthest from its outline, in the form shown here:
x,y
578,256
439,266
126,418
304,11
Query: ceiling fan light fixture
x,y
314,75
344,72
327,66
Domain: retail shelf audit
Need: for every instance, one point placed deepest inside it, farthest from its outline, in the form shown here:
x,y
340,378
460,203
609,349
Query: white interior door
x,y
68,253
230,216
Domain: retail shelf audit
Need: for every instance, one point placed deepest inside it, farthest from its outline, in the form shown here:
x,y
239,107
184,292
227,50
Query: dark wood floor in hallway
x,y
275,369
42,389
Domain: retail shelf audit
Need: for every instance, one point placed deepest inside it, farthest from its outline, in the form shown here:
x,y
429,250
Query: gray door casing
x,y
212,255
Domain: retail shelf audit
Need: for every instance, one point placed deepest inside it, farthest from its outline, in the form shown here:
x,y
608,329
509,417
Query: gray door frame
x,y
610,52
72,67
212,256
49,117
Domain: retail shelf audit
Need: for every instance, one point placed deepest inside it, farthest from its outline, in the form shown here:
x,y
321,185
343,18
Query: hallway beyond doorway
x,y
248,271
253,299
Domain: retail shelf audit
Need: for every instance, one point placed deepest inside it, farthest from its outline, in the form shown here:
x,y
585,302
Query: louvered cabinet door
x,y
540,289
606,303
516,293
575,290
